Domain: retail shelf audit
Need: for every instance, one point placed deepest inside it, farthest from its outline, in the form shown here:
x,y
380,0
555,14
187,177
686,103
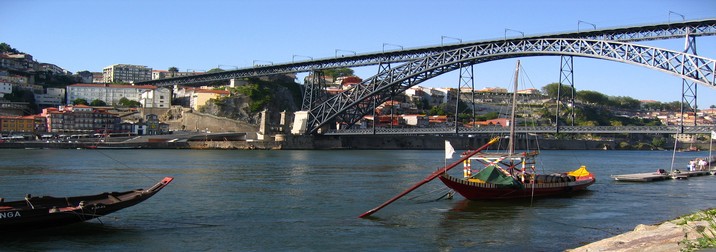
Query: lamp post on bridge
x,y
293,59
389,44
580,21
683,18
508,29
442,38
265,61
353,52
235,67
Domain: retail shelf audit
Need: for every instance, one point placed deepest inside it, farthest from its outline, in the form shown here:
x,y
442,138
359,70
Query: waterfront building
x,y
53,69
97,77
21,124
17,62
200,96
154,126
52,97
163,74
125,73
5,87
197,97
84,76
420,121
14,79
156,98
109,93
80,119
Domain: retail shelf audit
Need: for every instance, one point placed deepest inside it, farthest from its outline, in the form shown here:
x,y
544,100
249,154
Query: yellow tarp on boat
x,y
582,171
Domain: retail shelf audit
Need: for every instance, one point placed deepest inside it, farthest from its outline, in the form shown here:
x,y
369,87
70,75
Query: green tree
x,y
98,103
7,48
438,110
215,70
593,97
658,142
551,90
338,72
173,71
260,96
625,102
127,103
80,101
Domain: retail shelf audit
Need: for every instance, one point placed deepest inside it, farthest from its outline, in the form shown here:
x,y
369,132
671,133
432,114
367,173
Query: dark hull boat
x,y
44,212
508,187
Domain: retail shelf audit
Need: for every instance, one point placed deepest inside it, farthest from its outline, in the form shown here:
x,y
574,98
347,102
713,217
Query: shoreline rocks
x,y
668,236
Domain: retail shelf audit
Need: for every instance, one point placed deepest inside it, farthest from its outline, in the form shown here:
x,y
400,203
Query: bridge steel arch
x,y
671,30
350,106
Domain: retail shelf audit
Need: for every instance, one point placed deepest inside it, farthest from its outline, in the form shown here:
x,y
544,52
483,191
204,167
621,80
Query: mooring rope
x,y
126,166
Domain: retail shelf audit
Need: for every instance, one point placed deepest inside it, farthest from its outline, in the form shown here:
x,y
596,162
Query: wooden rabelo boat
x,y
46,211
504,175
512,175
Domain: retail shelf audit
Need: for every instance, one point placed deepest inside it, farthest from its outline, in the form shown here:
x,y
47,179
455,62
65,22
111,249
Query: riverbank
x,y
290,142
686,233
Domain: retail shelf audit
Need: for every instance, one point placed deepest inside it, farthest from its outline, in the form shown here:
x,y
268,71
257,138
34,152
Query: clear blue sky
x,y
200,35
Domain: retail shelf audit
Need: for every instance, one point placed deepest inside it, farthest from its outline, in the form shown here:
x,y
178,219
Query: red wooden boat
x,y
510,175
499,181
43,212
505,176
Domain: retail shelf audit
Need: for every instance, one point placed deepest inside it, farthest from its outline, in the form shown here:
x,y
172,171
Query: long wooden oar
x,y
430,177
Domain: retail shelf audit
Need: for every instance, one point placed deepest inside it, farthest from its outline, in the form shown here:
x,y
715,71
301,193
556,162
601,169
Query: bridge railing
x,y
527,129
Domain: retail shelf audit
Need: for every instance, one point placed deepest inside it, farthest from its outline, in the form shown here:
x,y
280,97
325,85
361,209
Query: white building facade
x,y
5,87
119,73
51,97
109,93
157,98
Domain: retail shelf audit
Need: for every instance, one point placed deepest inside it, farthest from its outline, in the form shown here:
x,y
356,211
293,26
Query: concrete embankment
x,y
375,142
437,143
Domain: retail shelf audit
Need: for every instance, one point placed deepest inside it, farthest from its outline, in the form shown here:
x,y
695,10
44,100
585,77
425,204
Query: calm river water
x,y
309,200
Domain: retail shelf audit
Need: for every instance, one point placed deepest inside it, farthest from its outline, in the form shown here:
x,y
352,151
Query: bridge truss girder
x,y
531,129
350,106
624,34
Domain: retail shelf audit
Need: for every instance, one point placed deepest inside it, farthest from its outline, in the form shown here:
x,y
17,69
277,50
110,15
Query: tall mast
x,y
511,142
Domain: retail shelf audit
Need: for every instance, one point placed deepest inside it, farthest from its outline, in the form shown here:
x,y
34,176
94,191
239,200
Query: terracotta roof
x,y
212,91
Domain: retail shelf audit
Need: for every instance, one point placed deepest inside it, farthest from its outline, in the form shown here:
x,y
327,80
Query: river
x,y
230,200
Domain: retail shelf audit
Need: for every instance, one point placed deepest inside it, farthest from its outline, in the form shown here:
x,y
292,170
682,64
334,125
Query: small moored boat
x,y
46,211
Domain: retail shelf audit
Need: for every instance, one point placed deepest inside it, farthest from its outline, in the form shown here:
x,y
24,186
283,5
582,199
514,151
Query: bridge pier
x,y
688,88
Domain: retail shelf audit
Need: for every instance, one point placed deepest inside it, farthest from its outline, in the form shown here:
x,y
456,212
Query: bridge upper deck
x,y
625,34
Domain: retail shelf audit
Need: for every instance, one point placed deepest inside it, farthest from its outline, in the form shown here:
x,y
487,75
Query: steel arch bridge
x,y
580,44
351,105
662,31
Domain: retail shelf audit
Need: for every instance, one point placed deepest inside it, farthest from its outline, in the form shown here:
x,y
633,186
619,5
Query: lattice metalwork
x,y
465,92
566,76
314,90
349,106
531,129
627,34
688,88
